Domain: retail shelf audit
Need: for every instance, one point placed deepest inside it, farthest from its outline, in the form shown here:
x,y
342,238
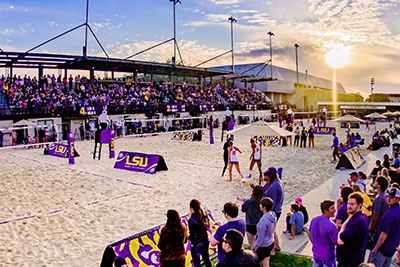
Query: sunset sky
x,y
364,34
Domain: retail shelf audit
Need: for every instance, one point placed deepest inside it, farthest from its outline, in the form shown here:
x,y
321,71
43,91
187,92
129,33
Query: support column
x,y
40,74
11,70
91,75
66,73
112,75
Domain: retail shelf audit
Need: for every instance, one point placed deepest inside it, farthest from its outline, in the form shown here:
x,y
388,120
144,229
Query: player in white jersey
x,y
233,160
255,156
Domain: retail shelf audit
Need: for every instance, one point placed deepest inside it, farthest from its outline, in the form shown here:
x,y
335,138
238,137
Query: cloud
x,y
7,32
226,2
241,11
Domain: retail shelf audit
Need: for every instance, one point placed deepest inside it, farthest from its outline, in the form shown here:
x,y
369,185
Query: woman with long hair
x,y
386,161
172,241
233,160
198,236
253,213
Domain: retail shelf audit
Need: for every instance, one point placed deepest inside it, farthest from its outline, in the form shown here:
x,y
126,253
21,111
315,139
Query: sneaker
x,y
285,232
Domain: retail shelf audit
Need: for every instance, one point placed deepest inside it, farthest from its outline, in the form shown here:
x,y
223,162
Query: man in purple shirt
x,y
342,215
353,236
231,212
335,146
323,235
388,231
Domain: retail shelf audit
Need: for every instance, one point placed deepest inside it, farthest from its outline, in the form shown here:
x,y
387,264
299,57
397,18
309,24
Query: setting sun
x,y
338,55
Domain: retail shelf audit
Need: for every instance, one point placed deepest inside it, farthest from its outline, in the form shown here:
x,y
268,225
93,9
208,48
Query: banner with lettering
x,y
324,130
71,149
351,159
382,120
183,136
58,150
141,249
107,136
139,162
369,121
270,141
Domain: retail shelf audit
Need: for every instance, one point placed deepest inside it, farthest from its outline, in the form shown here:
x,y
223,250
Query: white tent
x,y
390,114
261,128
348,118
24,123
375,115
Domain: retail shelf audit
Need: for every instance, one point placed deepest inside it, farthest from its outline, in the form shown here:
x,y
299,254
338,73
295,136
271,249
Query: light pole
x,y
86,29
297,64
270,49
232,19
372,85
175,2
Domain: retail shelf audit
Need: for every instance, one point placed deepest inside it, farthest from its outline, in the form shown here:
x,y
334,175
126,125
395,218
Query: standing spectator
x,y
323,235
13,138
294,221
342,215
335,146
198,236
172,239
367,203
265,231
297,136
253,213
235,255
231,212
311,137
353,236
303,138
82,132
1,138
389,231
274,190
379,206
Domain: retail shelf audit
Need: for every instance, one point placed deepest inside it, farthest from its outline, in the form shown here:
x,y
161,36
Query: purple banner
x,y
324,130
139,162
251,107
370,121
206,107
58,150
107,136
71,148
382,120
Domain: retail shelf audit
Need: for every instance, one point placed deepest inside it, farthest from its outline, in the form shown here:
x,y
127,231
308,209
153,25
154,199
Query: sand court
x,y
79,209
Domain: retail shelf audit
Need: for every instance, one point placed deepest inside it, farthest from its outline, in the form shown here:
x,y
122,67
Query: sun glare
x,y
338,55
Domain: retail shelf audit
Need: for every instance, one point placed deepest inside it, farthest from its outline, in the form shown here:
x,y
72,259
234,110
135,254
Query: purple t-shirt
x,y
324,235
239,225
389,224
355,239
342,213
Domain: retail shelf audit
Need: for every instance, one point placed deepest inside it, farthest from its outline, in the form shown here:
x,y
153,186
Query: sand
x,y
33,184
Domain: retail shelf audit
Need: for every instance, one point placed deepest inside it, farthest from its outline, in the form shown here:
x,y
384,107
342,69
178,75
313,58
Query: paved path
x,y
328,190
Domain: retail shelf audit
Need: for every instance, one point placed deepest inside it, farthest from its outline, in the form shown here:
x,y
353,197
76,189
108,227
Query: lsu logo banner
x,y
71,154
271,141
138,162
141,249
382,120
58,150
369,121
355,157
324,130
183,136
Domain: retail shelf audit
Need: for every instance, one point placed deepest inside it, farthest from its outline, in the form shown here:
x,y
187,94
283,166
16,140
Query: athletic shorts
x,y
264,252
255,160
233,162
252,229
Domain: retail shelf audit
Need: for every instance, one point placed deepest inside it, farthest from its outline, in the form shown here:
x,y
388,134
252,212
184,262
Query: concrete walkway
x,y
328,190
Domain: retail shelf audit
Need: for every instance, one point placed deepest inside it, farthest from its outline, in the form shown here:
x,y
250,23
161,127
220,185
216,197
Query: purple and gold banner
x,y
324,130
369,121
382,120
71,148
139,162
141,249
58,150
107,136
183,136
271,141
